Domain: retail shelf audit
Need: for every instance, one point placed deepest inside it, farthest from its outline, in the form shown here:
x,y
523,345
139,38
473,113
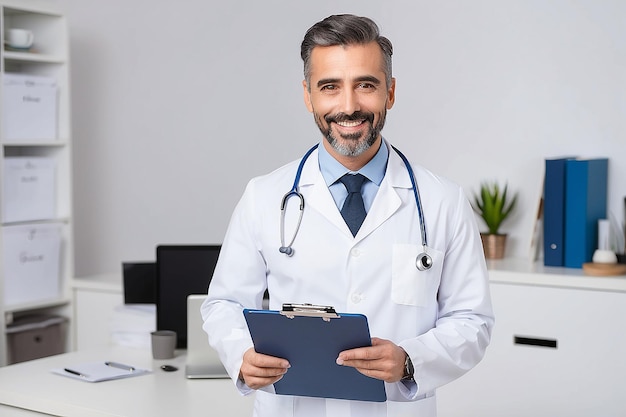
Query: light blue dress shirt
x,y
374,170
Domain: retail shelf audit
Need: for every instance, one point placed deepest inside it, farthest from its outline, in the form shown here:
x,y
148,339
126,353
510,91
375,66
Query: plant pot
x,y
493,245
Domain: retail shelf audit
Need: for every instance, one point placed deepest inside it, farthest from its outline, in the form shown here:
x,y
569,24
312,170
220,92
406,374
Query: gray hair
x,y
345,29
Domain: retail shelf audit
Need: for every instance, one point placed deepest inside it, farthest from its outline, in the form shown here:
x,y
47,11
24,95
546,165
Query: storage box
x,y
29,108
31,266
37,336
29,189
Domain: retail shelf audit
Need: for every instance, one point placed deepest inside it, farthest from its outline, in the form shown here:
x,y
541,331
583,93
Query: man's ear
x,y
307,96
391,94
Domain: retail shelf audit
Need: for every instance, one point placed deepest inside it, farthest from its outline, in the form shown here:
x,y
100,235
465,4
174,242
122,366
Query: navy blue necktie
x,y
353,210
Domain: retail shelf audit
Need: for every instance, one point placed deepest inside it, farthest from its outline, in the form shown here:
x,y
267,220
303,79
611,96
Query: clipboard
x,y
310,338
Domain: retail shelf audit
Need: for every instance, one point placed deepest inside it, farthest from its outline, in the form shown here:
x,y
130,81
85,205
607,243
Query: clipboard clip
x,y
309,310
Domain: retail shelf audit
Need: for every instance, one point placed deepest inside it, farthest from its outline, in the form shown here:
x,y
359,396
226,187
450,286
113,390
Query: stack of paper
x,y
131,325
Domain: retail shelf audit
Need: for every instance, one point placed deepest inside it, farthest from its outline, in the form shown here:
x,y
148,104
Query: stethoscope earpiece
x,y
423,261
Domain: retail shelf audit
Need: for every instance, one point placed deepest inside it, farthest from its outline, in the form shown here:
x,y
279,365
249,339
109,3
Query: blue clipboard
x,y
310,338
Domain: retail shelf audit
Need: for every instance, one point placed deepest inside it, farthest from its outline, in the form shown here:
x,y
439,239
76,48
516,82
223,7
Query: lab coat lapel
x,y
386,203
317,196
387,200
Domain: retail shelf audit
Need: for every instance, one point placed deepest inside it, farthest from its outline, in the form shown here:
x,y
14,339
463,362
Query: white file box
x,y
29,189
29,108
31,263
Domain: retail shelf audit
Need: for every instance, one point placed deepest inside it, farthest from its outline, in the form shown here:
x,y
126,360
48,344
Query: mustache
x,y
342,117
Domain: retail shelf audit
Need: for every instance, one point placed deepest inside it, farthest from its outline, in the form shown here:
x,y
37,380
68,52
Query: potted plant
x,y
494,206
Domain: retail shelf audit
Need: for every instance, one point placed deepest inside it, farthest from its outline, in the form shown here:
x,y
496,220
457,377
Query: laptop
x,y
202,360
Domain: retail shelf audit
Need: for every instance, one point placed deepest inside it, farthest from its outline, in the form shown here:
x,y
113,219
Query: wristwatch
x,y
408,369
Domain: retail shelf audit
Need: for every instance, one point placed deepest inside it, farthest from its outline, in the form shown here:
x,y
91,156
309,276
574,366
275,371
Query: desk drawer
x,y
554,352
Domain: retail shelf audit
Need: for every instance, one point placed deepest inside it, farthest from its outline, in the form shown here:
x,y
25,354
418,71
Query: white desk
x,y
30,389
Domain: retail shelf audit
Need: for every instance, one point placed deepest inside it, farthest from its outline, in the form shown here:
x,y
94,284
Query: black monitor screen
x,y
182,270
139,282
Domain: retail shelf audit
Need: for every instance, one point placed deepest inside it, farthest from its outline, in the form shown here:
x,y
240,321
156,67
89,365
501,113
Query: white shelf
x,y
62,220
522,272
36,144
49,58
33,57
39,305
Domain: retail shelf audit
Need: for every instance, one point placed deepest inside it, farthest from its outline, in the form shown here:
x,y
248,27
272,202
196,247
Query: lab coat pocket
x,y
410,286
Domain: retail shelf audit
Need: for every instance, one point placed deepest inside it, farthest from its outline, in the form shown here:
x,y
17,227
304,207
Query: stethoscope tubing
x,y
416,193
423,260
287,249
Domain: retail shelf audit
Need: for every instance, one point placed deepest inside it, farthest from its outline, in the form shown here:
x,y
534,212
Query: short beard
x,y
351,145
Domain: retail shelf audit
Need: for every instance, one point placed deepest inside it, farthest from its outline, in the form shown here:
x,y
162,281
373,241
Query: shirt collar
x,y
332,169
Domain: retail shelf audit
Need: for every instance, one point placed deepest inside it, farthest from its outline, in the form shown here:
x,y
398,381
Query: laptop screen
x,y
182,270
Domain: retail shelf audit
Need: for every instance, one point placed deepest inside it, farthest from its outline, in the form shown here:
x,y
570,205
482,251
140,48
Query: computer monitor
x,y
139,282
182,270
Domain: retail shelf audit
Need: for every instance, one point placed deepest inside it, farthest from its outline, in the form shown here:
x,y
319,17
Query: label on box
x,y
29,189
29,108
32,258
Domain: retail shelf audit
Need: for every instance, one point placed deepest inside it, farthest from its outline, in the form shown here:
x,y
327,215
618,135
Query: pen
x,y
120,366
71,371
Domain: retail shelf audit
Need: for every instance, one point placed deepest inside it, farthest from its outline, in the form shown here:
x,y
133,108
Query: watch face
x,y
408,369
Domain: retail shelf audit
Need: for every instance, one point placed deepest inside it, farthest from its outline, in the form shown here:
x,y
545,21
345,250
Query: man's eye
x,y
366,86
328,88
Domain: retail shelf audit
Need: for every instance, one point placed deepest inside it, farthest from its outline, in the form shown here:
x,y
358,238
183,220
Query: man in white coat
x,y
430,326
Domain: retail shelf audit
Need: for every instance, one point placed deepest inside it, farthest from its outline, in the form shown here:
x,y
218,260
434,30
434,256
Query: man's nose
x,y
350,102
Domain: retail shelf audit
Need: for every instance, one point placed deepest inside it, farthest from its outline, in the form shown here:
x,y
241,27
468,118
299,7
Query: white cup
x,y
20,38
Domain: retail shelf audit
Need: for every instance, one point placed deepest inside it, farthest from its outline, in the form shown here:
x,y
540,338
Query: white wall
x,y
171,96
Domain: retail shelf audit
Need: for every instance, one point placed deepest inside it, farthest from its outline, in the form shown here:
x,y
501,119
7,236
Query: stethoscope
x,y
423,261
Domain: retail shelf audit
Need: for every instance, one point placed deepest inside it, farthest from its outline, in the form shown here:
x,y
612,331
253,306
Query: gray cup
x,y
163,344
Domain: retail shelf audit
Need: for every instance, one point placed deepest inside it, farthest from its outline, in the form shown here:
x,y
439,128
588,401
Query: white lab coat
x,y
441,317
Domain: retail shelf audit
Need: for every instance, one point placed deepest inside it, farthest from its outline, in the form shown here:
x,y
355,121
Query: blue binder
x,y
310,338
585,204
554,212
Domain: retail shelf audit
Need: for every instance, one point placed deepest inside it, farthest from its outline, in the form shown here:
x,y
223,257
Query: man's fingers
x,y
364,363
376,351
354,355
265,361
383,360
259,370
378,341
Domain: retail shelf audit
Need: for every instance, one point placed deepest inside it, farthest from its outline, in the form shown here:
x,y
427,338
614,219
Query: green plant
x,y
492,205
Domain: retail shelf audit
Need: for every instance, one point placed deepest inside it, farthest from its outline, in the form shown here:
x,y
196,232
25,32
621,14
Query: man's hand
x,y
258,370
383,360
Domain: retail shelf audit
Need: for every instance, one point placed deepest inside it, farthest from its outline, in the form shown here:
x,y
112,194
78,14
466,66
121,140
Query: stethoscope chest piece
x,y
423,261
287,250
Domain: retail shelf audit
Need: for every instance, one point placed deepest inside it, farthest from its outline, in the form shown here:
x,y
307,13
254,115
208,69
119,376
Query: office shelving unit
x,y
49,57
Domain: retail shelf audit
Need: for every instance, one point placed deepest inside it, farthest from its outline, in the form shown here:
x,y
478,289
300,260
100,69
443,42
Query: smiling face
x,y
349,99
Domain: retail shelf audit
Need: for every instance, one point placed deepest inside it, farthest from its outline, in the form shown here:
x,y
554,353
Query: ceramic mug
x,y
163,344
20,38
